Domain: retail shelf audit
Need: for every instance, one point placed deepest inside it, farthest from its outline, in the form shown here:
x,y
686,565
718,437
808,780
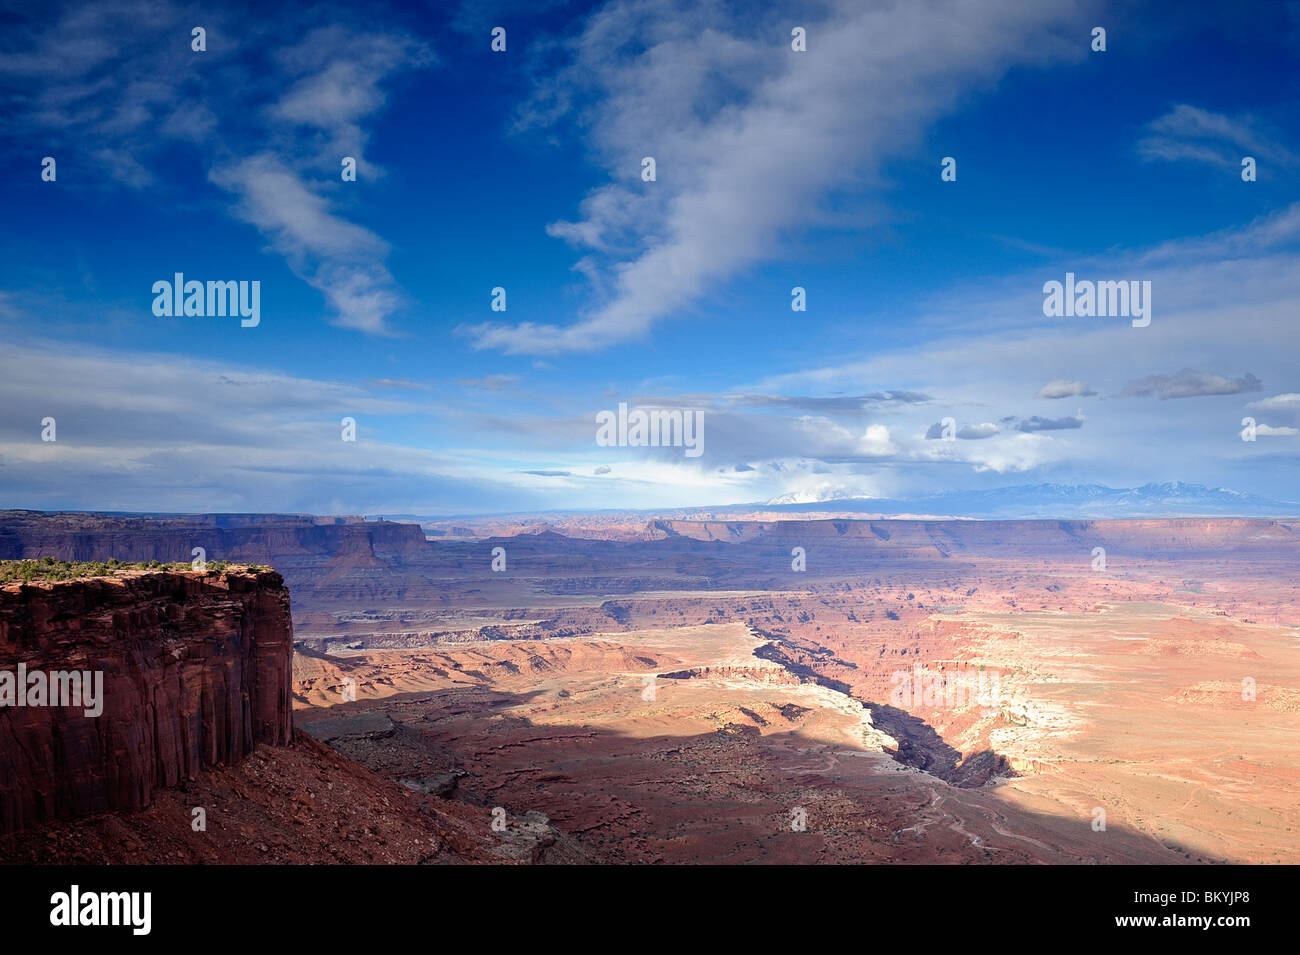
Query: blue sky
x,y
522,169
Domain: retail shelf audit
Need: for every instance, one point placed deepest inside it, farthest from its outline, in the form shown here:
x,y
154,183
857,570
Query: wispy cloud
x,y
835,405
1189,134
737,171
489,382
1287,402
1270,431
259,112
342,260
338,77
403,383
276,445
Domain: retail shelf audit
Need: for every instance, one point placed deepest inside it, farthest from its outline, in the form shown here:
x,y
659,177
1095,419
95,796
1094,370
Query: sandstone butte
x,y
196,673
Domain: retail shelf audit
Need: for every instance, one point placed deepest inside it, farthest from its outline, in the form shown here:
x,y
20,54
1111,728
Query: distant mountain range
x,y
1057,501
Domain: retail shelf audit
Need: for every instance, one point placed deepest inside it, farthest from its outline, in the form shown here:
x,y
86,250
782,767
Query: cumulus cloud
x,y
967,432
977,432
830,441
1004,452
1019,452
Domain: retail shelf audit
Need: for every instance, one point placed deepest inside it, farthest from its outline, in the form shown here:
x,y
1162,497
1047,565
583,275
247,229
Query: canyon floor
x,y
1142,715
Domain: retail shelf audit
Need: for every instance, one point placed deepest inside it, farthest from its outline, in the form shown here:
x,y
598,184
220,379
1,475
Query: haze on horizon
x,y
924,363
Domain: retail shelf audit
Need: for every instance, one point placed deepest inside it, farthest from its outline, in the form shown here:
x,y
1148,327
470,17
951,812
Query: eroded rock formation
x,y
196,671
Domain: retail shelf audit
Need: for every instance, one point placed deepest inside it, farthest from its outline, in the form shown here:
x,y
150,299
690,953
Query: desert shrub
x,y
47,569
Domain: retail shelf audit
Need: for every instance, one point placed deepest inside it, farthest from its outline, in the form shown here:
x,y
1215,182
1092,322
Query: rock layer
x,y
196,671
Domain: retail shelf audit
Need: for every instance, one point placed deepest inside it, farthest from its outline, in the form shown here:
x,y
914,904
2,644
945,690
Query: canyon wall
x,y
242,538
337,564
196,671
333,559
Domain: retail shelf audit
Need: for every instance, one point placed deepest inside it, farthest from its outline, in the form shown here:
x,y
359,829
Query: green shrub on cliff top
x,y
49,568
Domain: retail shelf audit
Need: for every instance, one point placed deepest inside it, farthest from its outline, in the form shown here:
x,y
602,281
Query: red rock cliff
x,y
196,670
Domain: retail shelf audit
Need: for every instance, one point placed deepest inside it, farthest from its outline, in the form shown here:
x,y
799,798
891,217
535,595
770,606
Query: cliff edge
x,y
115,685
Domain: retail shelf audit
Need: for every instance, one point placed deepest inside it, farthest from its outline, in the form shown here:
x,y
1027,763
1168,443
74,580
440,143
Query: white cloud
x,y
1019,452
976,432
1191,383
1230,297
1269,431
1287,402
1197,135
185,434
121,75
736,173
1063,388
340,76
342,260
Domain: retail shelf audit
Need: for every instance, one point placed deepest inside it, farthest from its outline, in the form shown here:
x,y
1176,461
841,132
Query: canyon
x,y
682,691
